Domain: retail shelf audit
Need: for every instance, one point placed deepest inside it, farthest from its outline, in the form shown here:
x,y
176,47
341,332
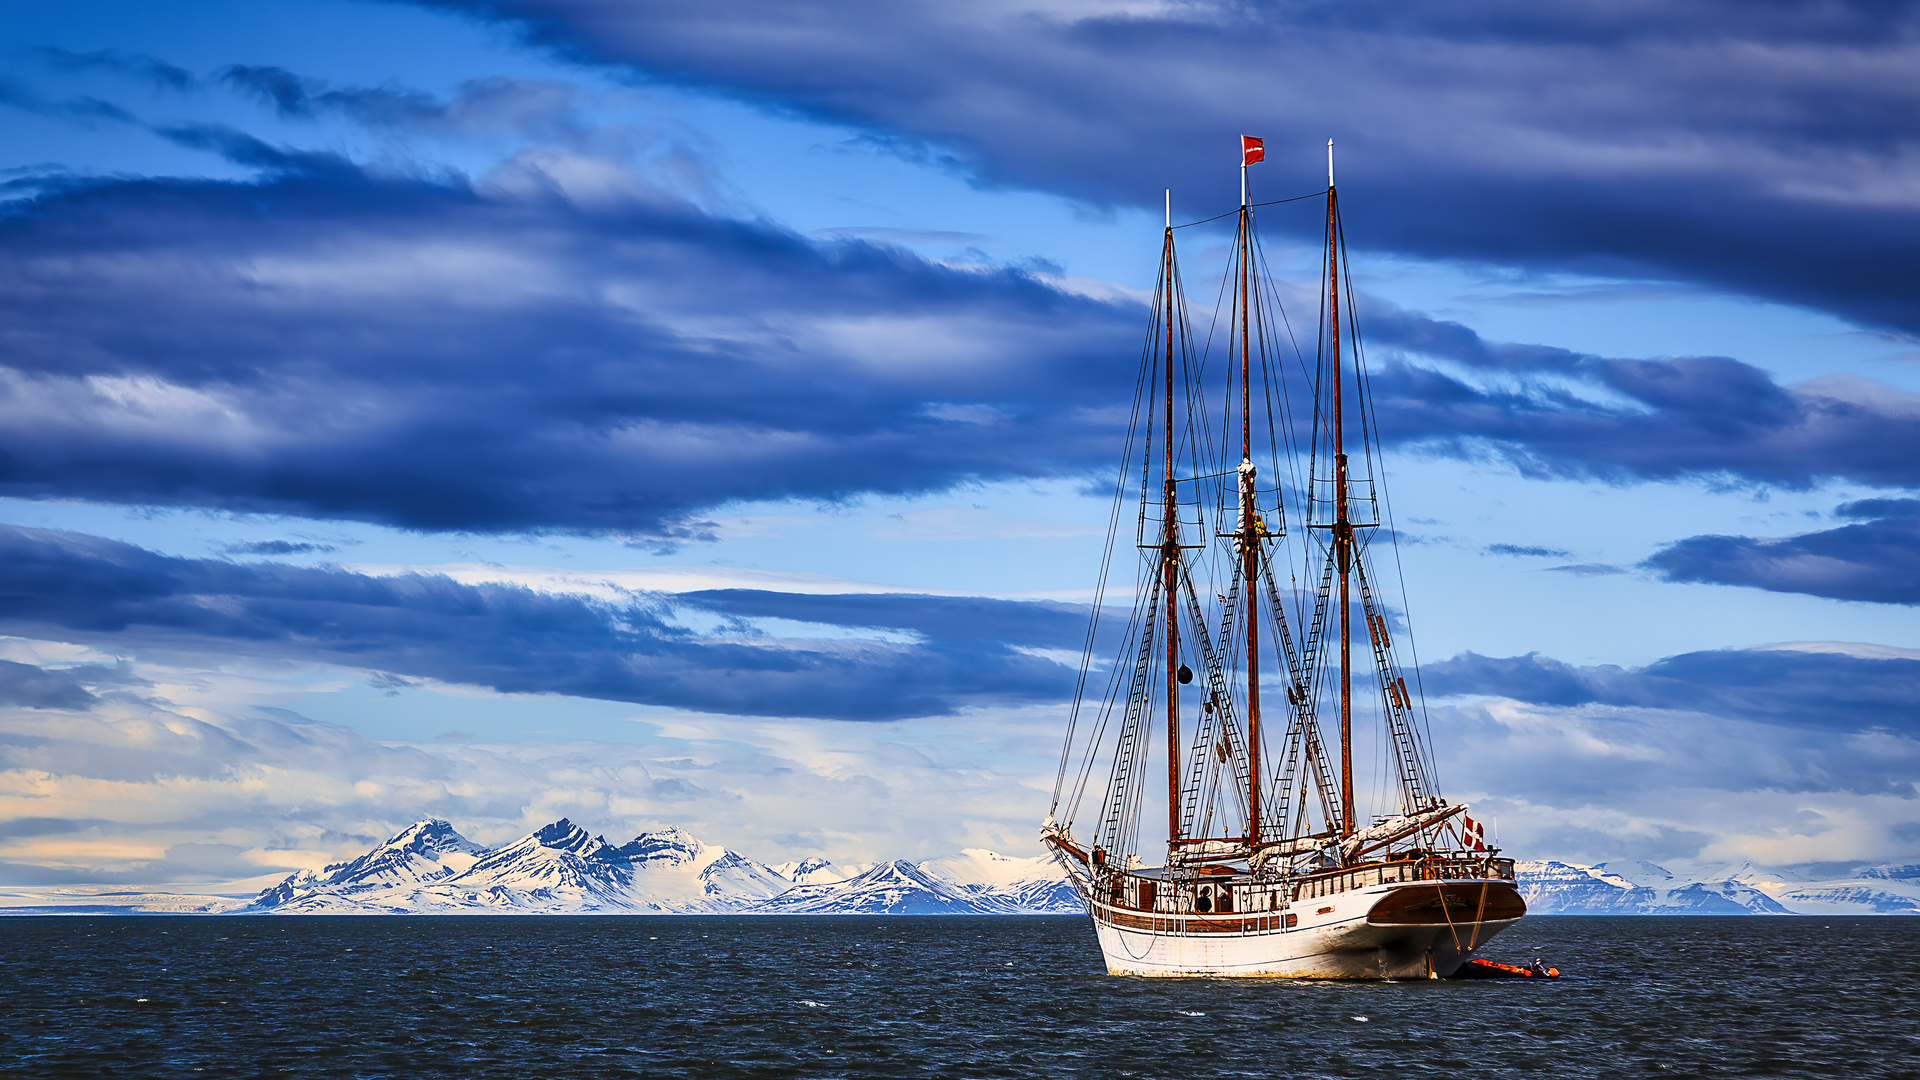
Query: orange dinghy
x,y
1476,968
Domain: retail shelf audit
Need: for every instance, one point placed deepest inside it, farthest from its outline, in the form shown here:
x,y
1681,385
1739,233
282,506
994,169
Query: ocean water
x,y
925,997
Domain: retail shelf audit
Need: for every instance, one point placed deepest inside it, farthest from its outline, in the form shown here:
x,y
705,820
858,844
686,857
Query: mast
x,y
1249,537
1170,564
1342,523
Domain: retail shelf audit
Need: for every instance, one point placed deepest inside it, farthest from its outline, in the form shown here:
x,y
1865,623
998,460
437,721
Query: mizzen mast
x,y
1170,560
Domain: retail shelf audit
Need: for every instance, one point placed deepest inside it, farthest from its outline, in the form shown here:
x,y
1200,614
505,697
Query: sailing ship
x,y
1267,868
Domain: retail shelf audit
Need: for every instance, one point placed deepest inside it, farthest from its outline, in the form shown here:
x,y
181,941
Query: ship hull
x,y
1384,932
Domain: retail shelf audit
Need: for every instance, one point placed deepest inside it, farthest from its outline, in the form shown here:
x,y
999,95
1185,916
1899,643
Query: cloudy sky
x,y
699,414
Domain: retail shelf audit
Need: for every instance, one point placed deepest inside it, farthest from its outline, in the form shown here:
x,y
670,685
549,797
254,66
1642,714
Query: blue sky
x,y
663,415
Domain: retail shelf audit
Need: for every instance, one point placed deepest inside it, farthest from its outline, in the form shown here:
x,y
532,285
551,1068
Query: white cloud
x,y
181,774
148,790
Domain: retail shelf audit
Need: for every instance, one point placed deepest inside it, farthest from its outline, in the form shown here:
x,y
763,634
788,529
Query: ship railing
x,y
1431,868
1118,888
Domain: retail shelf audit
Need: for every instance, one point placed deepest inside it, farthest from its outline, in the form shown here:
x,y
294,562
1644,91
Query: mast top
x,y
1169,208
1329,162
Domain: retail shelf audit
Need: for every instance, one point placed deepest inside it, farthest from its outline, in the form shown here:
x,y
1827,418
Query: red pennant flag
x,y
1252,150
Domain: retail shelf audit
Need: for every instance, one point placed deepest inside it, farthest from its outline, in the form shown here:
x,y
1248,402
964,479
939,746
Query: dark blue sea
x,y
925,997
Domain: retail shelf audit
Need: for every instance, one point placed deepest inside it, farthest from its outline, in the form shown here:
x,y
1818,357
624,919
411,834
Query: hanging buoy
x,y
1185,674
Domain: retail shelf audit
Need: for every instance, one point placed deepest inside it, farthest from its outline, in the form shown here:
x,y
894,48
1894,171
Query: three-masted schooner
x,y
1267,868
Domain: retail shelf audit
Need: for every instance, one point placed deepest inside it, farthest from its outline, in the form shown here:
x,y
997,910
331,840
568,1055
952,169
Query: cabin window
x,y
1203,903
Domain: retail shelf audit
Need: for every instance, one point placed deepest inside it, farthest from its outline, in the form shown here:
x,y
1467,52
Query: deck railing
x,y
1431,868
1124,890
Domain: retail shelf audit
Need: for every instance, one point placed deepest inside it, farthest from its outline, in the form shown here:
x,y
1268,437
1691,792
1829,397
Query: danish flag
x,y
1474,833
1252,150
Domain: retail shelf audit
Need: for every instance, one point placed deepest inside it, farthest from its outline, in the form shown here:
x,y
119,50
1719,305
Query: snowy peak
x,y
975,882
556,863
1641,873
819,871
669,846
891,888
433,834
1555,888
556,868
564,837
426,851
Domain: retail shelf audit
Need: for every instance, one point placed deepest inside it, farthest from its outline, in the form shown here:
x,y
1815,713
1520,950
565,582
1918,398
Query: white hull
x,y
1340,943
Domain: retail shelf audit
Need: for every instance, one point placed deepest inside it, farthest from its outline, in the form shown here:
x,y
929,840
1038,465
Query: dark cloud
x,y
82,110
537,108
564,346
1876,559
1747,146
36,688
1818,690
289,94
1552,412
46,826
243,149
501,357
966,651
162,75
1040,624
1527,550
277,547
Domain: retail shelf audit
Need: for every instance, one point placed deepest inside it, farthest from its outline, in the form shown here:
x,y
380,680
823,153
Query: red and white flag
x,y
1252,150
1474,833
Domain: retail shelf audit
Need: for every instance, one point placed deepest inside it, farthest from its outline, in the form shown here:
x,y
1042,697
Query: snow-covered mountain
x,y
1035,885
1642,888
890,888
1823,889
429,868
558,869
426,851
561,869
975,882
819,871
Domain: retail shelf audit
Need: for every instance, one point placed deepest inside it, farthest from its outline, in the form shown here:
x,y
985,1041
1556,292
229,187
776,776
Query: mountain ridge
x,y
561,869
430,868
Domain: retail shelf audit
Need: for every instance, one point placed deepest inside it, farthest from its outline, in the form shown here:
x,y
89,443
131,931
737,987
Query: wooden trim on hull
x,y
1450,904
1187,924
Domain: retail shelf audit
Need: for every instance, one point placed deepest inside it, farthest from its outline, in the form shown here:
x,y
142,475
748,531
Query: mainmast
x,y
1342,522
1250,151
1170,561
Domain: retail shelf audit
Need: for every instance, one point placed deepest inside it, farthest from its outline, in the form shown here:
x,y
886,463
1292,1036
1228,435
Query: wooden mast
x,y
1342,523
1249,536
1170,562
